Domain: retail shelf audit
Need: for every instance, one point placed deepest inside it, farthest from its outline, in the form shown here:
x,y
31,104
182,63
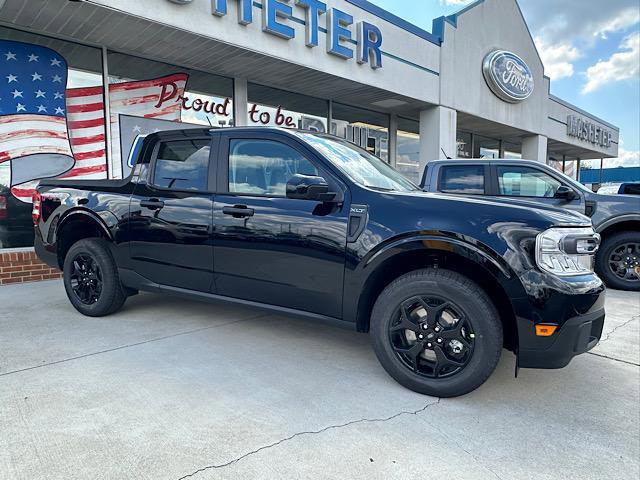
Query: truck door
x,y
170,221
269,248
530,183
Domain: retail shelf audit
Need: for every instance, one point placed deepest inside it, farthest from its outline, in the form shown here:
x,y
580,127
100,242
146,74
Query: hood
x,y
509,207
631,202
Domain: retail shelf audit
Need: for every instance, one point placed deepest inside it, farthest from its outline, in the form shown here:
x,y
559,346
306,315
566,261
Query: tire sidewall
x,y
481,314
98,250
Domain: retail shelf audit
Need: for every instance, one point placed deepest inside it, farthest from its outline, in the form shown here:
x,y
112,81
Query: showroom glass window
x,y
366,128
464,141
408,149
464,179
278,108
263,167
146,96
526,182
485,147
512,150
84,142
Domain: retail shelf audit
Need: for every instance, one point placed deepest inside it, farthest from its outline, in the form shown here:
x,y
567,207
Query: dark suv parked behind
x,y
615,217
312,225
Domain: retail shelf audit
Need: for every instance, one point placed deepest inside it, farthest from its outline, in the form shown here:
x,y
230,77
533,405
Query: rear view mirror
x,y
306,187
565,193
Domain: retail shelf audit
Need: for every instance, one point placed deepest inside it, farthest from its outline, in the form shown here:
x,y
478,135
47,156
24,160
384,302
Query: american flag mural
x,y
33,123
87,113
48,131
139,99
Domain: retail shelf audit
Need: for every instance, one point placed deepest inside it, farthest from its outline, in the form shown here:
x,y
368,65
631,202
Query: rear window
x,y
463,179
183,165
630,189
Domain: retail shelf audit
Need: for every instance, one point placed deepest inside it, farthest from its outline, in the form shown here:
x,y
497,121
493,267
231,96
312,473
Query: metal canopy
x,y
99,26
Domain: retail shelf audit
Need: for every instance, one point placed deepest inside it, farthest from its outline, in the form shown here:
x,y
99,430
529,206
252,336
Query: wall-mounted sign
x,y
365,44
588,131
508,76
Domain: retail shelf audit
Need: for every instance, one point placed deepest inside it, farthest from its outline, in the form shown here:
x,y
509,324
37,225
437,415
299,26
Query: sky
x,y
590,49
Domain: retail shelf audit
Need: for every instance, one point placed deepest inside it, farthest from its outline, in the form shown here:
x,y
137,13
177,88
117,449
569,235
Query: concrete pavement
x,y
170,389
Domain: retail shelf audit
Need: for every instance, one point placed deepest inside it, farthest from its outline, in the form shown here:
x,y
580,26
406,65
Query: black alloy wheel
x,y
91,278
618,261
432,337
86,279
436,332
624,262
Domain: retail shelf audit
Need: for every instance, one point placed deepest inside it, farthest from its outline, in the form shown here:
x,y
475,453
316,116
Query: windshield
x,y
358,164
571,181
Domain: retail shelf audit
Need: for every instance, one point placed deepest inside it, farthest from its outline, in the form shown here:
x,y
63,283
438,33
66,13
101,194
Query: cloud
x,y
626,158
558,58
622,65
582,20
622,21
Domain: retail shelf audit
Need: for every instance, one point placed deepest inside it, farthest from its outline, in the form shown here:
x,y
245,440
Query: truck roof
x,y
200,131
485,161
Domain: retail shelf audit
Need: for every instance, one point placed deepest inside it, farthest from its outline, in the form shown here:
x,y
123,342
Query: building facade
x,y
81,79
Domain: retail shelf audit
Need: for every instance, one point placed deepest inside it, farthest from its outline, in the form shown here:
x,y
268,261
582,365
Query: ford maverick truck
x,y
308,224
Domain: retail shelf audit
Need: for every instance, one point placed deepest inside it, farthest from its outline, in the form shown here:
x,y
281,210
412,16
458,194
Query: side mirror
x,y
306,187
566,193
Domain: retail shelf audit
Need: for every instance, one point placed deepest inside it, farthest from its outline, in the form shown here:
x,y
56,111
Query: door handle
x,y
152,204
239,211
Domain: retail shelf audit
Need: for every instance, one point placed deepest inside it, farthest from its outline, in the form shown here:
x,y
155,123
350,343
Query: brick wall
x,y
19,266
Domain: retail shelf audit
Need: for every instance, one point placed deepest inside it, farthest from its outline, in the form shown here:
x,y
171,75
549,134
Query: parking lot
x,y
171,389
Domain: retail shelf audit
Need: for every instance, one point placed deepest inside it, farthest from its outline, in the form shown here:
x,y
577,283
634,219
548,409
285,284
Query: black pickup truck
x,y
615,217
309,224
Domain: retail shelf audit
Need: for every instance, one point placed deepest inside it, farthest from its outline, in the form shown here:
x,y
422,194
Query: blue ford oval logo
x,y
508,76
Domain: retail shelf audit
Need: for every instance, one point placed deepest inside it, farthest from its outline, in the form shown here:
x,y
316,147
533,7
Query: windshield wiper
x,y
380,189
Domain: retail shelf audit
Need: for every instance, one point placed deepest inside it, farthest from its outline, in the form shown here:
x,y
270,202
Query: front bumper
x,y
578,335
579,315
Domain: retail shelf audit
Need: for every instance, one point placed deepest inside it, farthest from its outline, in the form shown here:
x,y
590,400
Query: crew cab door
x,y
529,183
268,248
170,224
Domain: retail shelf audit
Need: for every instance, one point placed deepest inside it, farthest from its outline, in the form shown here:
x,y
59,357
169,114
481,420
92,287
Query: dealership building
x,y
474,86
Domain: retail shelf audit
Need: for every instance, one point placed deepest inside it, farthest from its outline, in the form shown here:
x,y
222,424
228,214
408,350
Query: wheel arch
x,y
624,223
76,225
488,273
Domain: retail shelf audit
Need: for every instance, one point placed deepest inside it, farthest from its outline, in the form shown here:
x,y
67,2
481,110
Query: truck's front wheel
x,y
91,278
436,332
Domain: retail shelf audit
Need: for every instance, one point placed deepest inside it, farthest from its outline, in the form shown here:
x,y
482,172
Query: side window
x,y
466,179
526,182
263,167
183,165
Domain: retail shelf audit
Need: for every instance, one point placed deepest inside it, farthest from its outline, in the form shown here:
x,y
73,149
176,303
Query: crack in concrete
x,y
314,432
122,347
622,325
614,359
474,457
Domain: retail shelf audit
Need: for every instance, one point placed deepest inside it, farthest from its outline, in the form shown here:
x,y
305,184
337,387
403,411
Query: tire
x,y
479,324
85,295
607,249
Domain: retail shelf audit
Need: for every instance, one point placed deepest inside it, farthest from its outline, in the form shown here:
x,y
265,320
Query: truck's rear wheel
x,y
618,261
91,278
436,332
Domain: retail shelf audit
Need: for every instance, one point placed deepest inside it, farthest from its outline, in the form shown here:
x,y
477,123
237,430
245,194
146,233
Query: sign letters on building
x,y
588,131
365,44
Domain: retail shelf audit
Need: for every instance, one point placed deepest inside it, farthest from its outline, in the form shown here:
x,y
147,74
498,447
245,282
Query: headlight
x,y
567,251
